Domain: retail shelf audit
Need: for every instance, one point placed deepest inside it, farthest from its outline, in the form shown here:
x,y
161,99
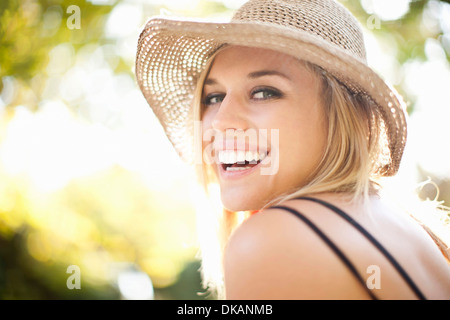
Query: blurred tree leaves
x,y
29,29
406,36
410,31
94,222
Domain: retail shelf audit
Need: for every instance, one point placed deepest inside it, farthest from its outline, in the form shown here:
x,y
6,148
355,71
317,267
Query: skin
x,y
274,255
239,101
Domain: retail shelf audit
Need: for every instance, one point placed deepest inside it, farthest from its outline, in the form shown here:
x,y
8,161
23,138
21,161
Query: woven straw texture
x,y
171,55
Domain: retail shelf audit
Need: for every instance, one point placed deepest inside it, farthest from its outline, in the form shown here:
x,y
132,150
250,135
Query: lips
x,y
238,155
236,163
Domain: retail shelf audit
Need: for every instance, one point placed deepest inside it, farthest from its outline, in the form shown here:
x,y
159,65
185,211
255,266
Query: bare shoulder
x,y
275,255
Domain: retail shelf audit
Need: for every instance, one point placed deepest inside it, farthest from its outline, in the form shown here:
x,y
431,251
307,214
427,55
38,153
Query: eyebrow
x,y
253,75
262,73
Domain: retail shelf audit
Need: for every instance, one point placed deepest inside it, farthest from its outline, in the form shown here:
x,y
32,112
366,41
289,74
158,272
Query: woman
x,y
280,109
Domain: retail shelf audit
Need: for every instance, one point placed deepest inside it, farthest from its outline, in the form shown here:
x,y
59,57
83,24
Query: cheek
x,y
206,119
207,138
302,142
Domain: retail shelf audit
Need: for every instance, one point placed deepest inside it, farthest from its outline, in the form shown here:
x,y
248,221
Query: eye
x,y
213,98
266,93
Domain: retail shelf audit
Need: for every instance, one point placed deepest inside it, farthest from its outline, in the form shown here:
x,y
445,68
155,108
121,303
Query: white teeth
x,y
262,155
240,156
231,156
249,156
252,156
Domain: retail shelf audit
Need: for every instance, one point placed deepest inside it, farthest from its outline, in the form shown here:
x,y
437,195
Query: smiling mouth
x,y
232,160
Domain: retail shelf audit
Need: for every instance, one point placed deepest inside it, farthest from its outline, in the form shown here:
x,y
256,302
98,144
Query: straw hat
x,y
171,54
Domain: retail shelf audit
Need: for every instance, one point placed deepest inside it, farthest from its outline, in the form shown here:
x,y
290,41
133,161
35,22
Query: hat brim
x,y
172,54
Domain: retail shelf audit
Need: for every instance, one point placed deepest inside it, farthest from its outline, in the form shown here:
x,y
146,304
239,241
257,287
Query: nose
x,y
231,114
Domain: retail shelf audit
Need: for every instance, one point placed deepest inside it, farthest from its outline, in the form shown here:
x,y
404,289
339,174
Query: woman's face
x,y
269,127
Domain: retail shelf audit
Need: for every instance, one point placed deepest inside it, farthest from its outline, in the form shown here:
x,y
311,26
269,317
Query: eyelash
x,y
273,94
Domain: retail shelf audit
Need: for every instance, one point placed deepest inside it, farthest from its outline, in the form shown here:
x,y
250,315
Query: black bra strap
x,y
364,232
336,250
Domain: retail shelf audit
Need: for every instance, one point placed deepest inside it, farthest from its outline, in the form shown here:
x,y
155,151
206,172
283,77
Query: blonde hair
x,y
350,162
